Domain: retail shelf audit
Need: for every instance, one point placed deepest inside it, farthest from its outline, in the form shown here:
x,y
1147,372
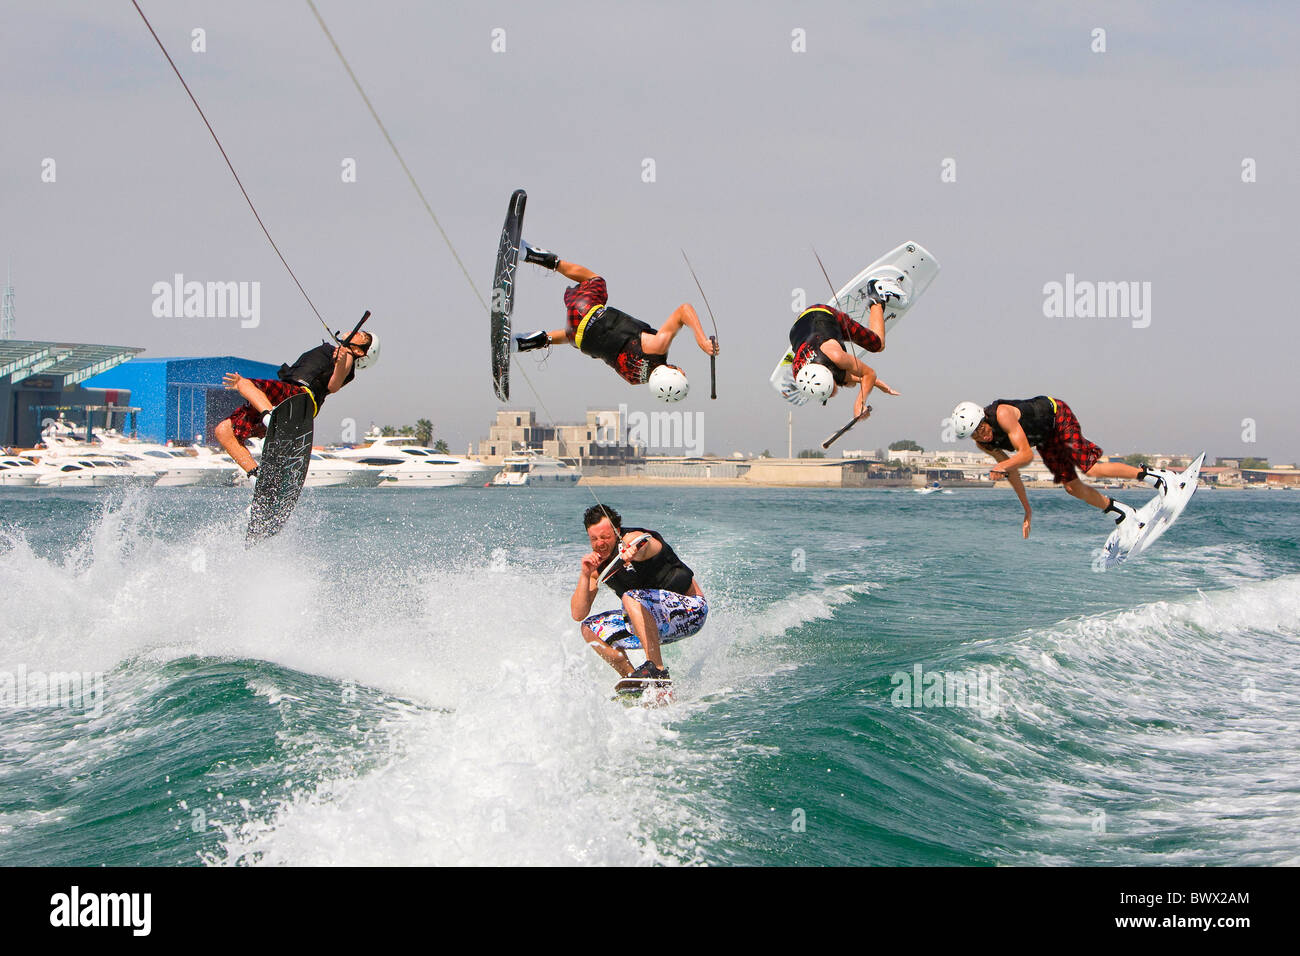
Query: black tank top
x,y
664,571
1037,418
314,368
814,326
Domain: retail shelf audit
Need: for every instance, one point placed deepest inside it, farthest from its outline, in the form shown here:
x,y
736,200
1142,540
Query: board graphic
x,y
286,453
1134,535
910,265
503,293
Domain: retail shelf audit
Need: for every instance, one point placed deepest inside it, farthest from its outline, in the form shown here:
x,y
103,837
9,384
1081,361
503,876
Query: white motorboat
x,y
194,466
19,472
407,464
436,471
326,470
93,471
175,466
536,470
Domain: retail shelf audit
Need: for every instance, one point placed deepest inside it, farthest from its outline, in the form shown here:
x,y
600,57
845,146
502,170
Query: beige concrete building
x,y
1281,476
951,464
590,443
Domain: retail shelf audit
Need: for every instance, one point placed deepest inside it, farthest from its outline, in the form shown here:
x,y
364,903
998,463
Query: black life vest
x,y
606,332
665,571
314,369
815,325
1037,418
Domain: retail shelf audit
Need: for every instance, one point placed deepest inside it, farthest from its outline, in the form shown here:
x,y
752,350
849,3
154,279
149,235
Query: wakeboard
x,y
644,690
1134,535
503,293
910,265
286,453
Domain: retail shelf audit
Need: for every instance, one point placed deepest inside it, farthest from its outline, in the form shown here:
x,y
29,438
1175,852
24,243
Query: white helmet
x,y
668,383
372,353
966,417
816,381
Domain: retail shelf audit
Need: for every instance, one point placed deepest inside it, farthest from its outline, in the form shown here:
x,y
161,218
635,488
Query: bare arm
x,y
343,359
691,319
585,593
1009,420
1013,476
859,373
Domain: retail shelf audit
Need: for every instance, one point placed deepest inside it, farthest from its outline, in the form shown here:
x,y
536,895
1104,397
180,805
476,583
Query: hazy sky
x,y
1123,165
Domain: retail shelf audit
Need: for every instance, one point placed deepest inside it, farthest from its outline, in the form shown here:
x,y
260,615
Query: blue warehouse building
x,y
180,398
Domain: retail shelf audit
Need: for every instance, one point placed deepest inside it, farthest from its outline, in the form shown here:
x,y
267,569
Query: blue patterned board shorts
x,y
676,616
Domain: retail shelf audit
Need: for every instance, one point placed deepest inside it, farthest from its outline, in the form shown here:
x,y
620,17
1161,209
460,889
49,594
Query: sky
x,y
774,128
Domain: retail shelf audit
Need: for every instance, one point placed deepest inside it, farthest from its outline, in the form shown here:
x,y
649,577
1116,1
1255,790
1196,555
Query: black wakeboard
x,y
286,452
503,293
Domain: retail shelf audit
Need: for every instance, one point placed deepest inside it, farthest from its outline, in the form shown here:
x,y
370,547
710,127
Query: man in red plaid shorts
x,y
319,371
636,351
823,357
1048,424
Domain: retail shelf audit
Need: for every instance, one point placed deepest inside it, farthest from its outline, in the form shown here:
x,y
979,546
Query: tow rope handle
x,y
634,547
355,329
713,368
830,441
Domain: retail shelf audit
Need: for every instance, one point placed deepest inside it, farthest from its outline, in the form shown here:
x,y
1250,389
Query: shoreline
x,y
652,481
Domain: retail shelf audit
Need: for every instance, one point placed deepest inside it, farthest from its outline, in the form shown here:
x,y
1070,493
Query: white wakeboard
x,y
1135,535
910,265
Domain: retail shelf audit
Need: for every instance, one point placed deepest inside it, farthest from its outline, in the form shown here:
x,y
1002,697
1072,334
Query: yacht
x,y
19,472
326,470
93,471
175,466
436,471
536,470
405,463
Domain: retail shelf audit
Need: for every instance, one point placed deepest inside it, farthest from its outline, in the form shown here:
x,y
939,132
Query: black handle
x,y
355,329
830,441
713,368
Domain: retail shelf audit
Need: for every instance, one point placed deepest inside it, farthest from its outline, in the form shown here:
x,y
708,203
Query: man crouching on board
x,y
662,601
1021,425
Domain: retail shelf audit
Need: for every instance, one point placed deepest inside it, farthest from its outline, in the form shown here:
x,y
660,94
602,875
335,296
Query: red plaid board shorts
x,y
582,298
1068,449
247,420
632,364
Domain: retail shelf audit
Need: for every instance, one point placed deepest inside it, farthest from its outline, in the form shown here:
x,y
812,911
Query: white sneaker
x,y
1121,512
1159,478
883,289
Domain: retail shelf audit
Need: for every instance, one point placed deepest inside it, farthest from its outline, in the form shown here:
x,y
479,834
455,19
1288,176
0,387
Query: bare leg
x,y
1087,493
1113,469
234,447
644,627
610,655
253,395
574,272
